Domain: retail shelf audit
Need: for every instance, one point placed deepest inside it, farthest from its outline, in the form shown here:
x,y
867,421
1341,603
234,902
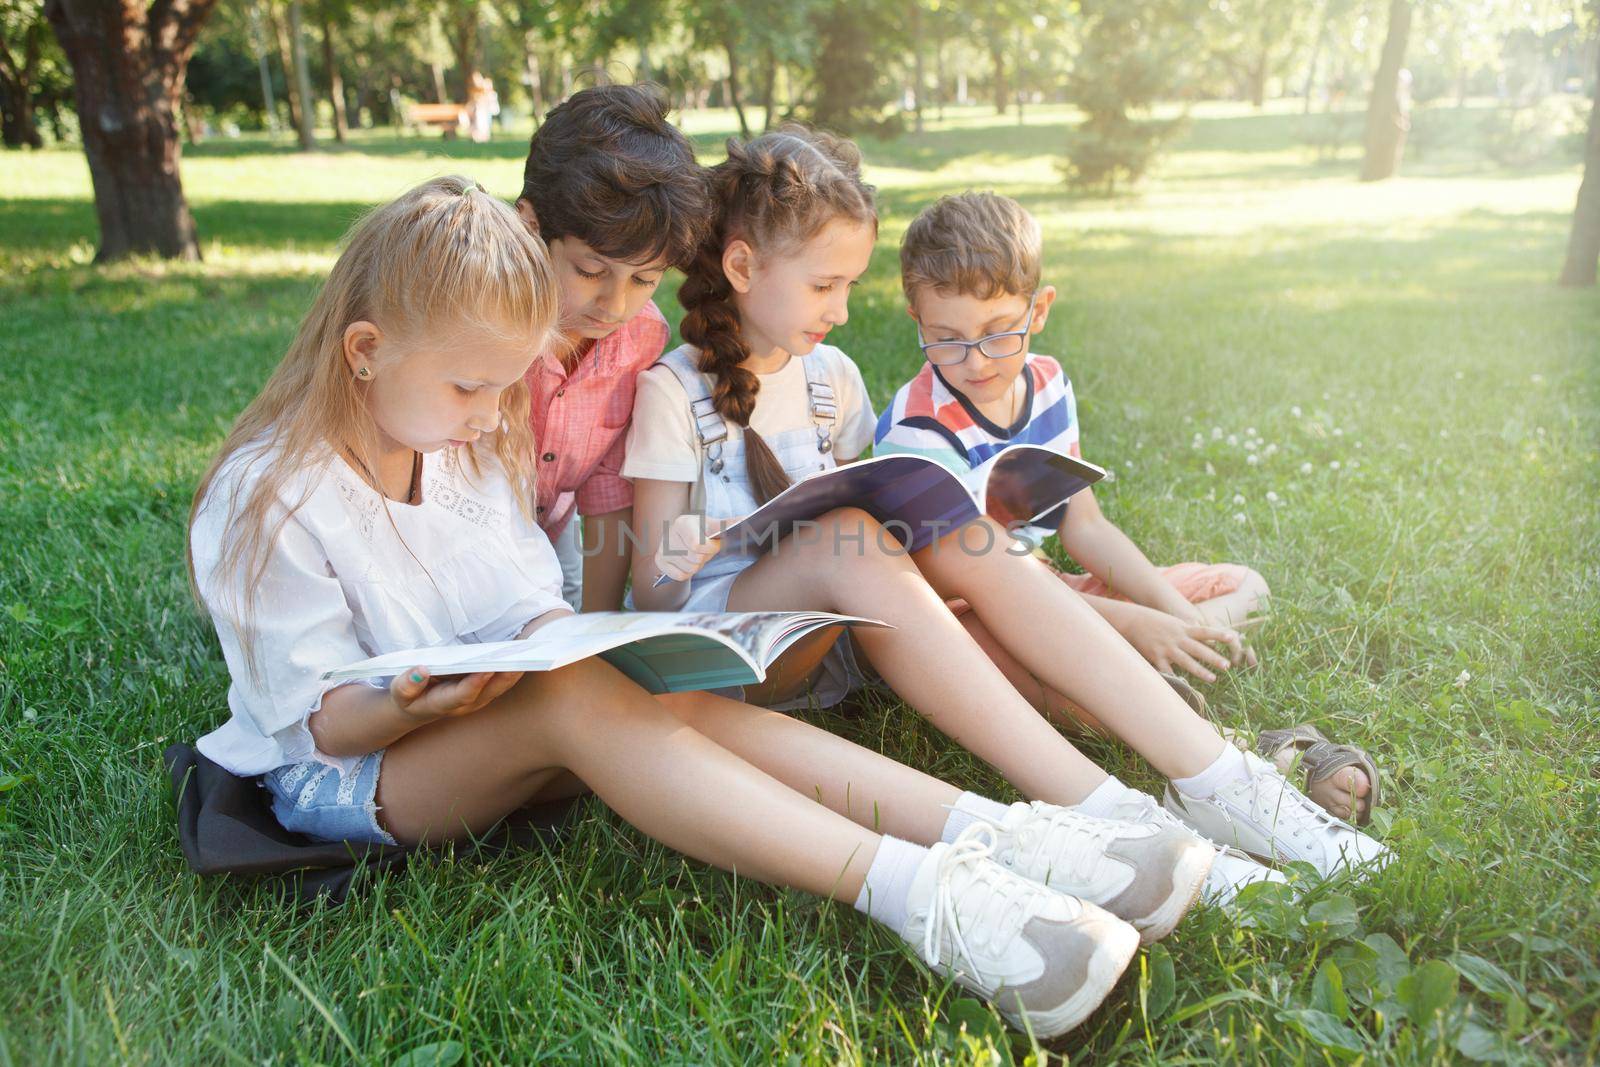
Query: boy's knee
x,y
1254,584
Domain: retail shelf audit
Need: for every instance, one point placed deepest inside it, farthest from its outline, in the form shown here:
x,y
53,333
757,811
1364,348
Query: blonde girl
x,y
374,497
755,399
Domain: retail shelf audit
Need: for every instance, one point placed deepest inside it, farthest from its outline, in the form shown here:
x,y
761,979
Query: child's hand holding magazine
x,y
417,694
663,652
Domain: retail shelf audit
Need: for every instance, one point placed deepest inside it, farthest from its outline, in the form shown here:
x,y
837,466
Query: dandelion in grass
x,y
1270,450
1210,469
1216,433
1459,376
1238,517
1273,498
1252,459
1233,438
1305,468
1462,679
1238,498
1334,465
1295,411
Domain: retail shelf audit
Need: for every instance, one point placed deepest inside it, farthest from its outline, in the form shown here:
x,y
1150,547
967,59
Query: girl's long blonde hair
x,y
446,254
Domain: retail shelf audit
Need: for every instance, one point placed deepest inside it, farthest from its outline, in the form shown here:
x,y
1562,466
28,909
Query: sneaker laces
x,y
1272,799
1077,839
995,900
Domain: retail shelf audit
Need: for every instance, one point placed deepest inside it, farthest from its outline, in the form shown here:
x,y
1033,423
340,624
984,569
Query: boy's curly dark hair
x,y
607,168
774,192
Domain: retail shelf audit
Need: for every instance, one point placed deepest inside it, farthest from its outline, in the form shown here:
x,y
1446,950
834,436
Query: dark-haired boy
x,y
614,190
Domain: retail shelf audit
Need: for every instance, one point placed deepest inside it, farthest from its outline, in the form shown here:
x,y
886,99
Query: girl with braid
x,y
755,400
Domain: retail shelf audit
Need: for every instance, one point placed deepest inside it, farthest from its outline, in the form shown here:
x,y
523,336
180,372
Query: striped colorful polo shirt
x,y
928,418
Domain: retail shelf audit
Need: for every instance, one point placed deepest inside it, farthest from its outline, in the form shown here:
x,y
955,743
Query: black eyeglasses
x,y
995,346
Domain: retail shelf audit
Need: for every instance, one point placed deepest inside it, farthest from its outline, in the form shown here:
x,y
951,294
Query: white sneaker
x,y
1044,958
1144,874
1231,871
1273,821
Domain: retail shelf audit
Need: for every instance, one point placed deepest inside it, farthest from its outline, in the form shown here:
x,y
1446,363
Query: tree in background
x,y
25,53
1253,41
853,86
1583,245
1387,112
128,61
1132,54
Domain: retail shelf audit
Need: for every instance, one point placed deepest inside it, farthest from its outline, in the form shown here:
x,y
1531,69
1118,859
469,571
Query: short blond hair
x,y
975,244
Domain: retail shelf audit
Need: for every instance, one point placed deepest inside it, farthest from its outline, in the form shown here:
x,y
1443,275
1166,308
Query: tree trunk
x,y
916,62
1316,57
280,34
302,79
997,53
341,127
769,90
464,43
1020,68
17,125
530,66
128,62
260,46
1583,247
1386,121
733,87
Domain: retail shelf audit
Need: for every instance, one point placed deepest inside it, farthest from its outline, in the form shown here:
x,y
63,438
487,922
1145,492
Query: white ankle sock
x,y
1103,800
887,889
968,809
1228,767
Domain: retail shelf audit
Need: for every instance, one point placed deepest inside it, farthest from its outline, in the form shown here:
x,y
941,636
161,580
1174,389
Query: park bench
x,y
450,118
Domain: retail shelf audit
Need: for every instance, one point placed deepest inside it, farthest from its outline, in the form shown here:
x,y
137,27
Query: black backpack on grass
x,y
226,826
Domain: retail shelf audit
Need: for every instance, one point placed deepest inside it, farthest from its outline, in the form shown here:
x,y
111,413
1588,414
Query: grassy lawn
x,y
1373,394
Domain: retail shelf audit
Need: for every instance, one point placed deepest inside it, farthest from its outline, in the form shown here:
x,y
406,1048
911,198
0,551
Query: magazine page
x,y
1026,485
919,496
669,650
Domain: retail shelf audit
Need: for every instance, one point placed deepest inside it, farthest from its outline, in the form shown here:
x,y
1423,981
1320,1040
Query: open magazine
x,y
664,651
919,499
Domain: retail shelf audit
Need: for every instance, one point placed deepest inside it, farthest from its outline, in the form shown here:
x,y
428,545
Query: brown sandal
x,y
1320,758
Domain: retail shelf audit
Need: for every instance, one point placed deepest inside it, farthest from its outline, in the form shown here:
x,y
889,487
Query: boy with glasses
x,y
970,267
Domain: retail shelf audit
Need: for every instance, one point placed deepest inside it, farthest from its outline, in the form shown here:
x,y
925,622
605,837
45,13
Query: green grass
x,y
1423,503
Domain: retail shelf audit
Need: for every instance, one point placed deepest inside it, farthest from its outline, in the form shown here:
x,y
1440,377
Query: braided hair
x,y
774,192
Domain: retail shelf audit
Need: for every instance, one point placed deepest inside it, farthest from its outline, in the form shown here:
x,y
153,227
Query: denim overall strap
x,y
824,408
710,427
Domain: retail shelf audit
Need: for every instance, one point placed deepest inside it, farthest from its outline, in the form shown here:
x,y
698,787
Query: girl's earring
x,y
364,373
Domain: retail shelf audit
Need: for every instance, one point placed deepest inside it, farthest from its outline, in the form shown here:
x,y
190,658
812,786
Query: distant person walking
x,y
483,104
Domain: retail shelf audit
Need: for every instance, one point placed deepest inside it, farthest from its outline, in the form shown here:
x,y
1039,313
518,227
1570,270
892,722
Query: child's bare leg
x,y
1052,704
670,781
928,658
864,786
1061,641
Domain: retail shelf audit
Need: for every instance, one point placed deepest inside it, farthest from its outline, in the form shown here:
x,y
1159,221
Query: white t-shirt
x,y
663,445
343,582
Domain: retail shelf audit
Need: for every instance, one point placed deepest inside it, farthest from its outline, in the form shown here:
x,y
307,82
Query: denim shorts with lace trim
x,y
314,799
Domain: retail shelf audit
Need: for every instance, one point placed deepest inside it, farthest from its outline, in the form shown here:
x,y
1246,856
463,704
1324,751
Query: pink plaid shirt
x,y
581,421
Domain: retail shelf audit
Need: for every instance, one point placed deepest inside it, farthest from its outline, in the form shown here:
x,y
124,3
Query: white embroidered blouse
x,y
353,575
